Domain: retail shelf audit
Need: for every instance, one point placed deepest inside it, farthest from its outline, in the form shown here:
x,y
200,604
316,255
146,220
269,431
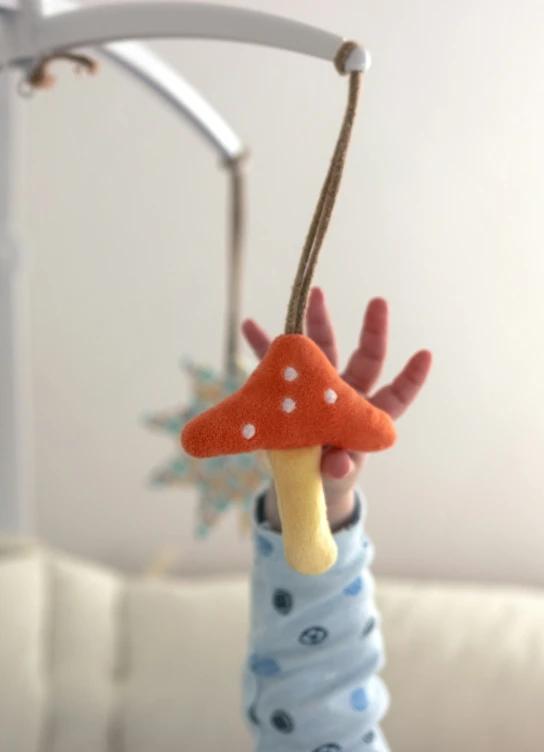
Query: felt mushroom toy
x,y
295,402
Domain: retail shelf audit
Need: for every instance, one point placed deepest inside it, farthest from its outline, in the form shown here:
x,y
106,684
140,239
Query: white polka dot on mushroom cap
x,y
290,374
248,431
288,405
330,396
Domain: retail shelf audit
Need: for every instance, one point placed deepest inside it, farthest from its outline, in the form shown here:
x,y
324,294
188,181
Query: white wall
x,y
441,211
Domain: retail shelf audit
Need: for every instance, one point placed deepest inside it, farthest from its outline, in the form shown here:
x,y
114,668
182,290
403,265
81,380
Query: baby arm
x,y
311,680
316,649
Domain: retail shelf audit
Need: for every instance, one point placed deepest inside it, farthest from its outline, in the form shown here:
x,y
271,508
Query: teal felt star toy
x,y
223,483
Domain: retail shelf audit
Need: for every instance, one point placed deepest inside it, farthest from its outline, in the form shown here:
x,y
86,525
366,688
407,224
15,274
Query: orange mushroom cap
x,y
294,399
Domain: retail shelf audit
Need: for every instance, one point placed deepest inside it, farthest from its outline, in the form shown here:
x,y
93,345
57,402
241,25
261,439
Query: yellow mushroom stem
x,y
307,538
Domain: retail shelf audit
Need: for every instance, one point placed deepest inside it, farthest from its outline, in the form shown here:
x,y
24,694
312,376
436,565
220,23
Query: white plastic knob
x,y
358,59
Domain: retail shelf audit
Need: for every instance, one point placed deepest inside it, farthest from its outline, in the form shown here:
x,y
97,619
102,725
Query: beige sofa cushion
x,y
91,661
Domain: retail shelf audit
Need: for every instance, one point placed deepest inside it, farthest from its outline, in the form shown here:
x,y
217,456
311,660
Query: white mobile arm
x,y
27,34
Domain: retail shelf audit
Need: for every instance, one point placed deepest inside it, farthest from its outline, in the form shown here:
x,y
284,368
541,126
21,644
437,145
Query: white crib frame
x,y
29,30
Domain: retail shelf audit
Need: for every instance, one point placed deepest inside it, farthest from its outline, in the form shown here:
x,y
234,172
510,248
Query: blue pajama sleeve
x,y
311,681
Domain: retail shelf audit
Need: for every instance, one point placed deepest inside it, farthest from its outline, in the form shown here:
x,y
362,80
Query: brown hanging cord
x,y
237,215
39,76
320,222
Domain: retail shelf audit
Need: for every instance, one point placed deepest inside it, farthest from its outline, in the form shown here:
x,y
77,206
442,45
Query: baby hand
x,y
341,469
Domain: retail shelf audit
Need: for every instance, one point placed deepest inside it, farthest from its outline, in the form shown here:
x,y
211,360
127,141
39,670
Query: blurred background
x,y
124,211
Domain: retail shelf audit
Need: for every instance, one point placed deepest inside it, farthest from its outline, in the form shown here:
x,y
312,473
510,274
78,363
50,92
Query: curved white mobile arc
x,y
96,25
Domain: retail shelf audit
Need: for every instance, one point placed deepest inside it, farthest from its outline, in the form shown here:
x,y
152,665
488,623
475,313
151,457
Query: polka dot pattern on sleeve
x,y
265,547
358,700
282,722
312,682
282,601
355,587
313,636
264,666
